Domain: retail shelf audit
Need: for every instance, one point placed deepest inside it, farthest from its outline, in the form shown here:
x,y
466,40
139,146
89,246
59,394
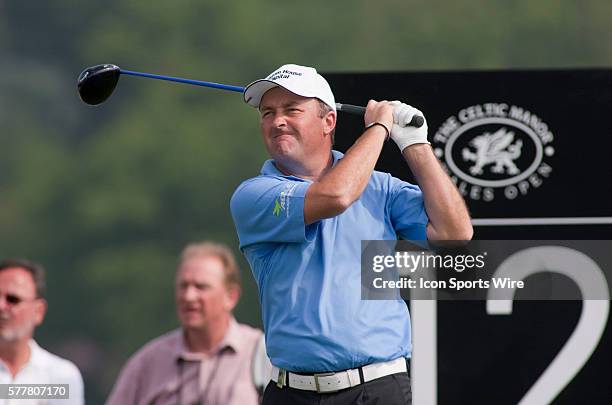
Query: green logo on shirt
x,y
277,208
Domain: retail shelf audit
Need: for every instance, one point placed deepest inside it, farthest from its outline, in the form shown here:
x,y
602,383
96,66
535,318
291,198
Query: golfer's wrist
x,y
378,124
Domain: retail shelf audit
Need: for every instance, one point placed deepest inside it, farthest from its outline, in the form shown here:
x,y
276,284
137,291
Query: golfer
x,y
301,223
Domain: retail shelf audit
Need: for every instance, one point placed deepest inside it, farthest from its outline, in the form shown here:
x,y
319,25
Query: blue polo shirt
x,y
309,277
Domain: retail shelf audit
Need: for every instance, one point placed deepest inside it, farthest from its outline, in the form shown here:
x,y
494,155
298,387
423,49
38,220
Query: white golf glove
x,y
401,133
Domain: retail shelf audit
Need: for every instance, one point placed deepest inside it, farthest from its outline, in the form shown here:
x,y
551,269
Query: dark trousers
x,y
393,389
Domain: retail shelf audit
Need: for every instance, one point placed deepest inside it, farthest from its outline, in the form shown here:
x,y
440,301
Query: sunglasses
x,y
15,300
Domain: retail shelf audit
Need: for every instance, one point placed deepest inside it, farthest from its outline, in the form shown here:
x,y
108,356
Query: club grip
x,y
417,121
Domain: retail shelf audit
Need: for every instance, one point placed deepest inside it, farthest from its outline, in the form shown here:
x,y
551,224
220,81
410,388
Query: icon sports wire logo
x,y
495,149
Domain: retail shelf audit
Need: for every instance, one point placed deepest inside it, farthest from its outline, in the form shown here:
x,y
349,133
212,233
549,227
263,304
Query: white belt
x,y
332,382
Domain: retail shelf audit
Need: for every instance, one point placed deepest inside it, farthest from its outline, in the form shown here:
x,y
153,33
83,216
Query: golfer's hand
x,y
401,133
379,111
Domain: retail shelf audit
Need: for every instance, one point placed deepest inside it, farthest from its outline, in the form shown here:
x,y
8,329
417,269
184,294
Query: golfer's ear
x,y
329,122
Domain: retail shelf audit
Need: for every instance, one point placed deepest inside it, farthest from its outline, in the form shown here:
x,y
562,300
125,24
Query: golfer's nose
x,y
279,121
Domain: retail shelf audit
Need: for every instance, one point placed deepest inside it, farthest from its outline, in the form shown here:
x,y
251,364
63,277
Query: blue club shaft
x,y
349,108
187,81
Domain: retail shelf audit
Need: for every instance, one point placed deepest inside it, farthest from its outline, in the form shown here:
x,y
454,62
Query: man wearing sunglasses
x,y
22,309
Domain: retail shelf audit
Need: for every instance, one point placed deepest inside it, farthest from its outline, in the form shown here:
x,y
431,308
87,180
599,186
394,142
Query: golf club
x,y
97,83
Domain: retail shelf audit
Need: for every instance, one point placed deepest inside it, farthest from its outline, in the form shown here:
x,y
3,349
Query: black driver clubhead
x,y
96,83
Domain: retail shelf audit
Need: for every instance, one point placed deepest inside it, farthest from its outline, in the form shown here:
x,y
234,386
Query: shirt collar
x,y
34,351
233,338
35,355
269,167
32,361
231,341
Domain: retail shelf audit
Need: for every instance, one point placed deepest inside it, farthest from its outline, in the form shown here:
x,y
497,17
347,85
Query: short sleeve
x,y
270,209
407,210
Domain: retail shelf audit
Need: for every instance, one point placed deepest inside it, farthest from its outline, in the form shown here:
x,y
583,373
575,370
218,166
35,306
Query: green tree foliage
x,y
106,197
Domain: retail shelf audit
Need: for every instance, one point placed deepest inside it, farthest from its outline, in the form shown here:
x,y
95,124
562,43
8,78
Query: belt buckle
x,y
318,387
282,378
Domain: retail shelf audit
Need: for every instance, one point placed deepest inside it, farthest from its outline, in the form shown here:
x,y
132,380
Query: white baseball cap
x,y
301,80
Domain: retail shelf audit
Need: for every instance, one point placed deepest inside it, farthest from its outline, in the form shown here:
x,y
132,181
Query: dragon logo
x,y
494,148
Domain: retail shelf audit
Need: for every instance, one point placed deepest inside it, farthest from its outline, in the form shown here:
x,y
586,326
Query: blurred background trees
x,y
106,197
